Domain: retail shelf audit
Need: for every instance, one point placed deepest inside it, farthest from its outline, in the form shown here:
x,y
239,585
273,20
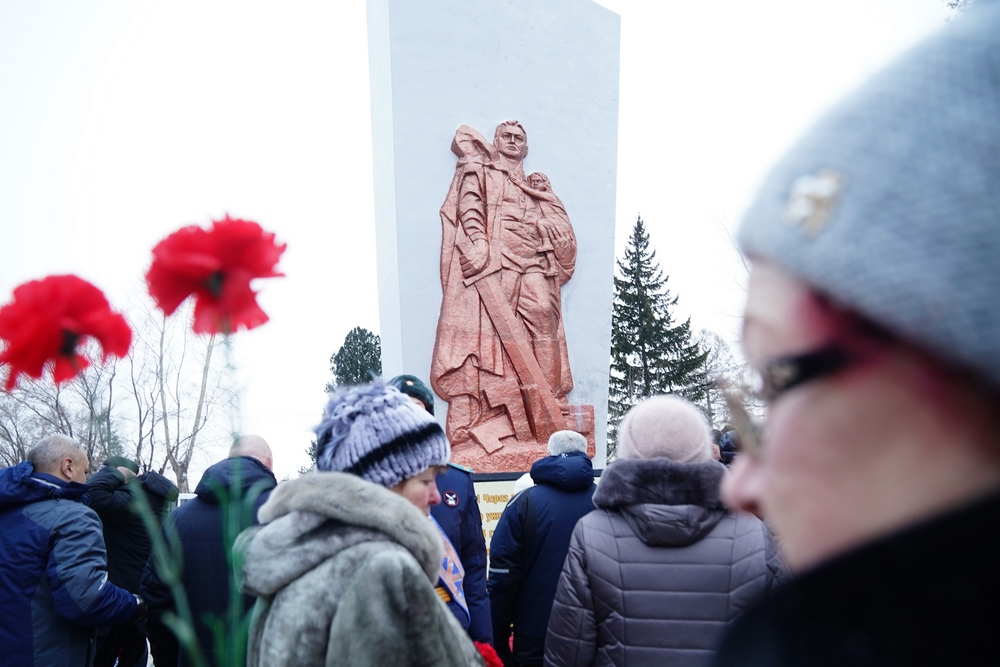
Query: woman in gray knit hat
x,y
872,321
346,557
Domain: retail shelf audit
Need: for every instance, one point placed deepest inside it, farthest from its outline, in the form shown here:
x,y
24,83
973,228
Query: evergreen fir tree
x,y
650,354
357,361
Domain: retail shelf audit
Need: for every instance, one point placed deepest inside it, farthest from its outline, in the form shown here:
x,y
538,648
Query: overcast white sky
x,y
122,120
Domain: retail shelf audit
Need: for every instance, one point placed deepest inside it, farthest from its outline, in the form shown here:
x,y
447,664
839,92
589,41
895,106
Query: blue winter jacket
x,y
528,549
205,573
54,586
458,515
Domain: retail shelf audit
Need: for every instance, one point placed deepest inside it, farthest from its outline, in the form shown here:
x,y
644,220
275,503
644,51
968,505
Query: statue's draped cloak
x,y
467,342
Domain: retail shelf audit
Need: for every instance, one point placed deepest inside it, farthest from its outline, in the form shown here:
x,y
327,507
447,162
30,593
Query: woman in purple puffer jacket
x,y
658,571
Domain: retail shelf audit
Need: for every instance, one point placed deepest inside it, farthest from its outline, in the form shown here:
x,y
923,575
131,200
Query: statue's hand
x,y
560,235
475,261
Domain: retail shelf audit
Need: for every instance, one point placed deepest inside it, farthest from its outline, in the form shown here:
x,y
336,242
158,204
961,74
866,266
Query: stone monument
x,y
500,355
495,297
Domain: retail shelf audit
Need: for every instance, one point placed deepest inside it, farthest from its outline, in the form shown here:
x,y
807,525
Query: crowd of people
x,y
872,327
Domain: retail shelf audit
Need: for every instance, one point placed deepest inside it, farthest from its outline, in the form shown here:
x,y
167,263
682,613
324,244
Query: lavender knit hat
x,y
890,205
375,432
665,426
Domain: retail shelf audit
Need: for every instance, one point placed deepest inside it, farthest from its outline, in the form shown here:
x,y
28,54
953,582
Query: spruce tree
x,y
357,360
650,354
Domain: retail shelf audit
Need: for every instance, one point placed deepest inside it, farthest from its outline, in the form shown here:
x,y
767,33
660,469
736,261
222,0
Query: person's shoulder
x,y
521,500
154,482
192,511
456,474
390,562
602,516
68,513
743,523
105,475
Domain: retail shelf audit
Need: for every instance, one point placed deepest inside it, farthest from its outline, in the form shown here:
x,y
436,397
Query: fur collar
x,y
312,518
660,481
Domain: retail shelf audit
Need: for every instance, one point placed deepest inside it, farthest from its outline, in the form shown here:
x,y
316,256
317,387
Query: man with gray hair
x,y
530,544
244,477
54,587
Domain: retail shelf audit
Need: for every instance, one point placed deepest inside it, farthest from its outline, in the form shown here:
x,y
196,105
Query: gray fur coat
x,y
344,571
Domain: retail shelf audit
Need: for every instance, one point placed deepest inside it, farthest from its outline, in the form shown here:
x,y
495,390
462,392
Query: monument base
x,y
515,455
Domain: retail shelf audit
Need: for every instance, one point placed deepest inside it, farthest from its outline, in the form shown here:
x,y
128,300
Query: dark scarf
x,y
925,596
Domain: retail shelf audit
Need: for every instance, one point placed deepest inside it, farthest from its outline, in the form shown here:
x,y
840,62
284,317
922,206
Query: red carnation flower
x,y
49,318
489,654
216,266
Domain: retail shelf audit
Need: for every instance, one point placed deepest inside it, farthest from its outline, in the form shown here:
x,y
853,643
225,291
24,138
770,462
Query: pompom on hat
x,y
375,432
665,426
890,204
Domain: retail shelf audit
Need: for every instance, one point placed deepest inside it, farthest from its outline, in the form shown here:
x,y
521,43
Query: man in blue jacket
x,y
530,544
205,541
54,586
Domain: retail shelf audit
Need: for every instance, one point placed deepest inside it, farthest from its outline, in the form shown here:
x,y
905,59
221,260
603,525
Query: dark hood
x,y
573,471
161,489
665,503
219,477
21,485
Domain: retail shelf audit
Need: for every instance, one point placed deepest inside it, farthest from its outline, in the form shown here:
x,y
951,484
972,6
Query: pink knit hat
x,y
668,426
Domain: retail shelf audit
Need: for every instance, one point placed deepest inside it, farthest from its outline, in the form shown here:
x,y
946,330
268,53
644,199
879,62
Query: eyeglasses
x,y
784,373
776,378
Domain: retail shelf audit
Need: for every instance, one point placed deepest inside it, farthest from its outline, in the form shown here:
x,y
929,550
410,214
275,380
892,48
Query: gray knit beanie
x,y
375,432
890,205
667,426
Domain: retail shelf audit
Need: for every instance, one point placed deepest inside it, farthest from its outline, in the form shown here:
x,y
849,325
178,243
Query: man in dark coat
x,y
459,517
128,544
205,541
530,544
54,586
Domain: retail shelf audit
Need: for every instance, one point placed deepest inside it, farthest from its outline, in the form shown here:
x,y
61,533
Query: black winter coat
x,y
528,549
125,535
206,574
656,574
924,596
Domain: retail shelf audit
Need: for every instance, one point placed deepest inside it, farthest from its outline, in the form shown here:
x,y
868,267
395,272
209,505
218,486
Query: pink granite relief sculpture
x,y
500,356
